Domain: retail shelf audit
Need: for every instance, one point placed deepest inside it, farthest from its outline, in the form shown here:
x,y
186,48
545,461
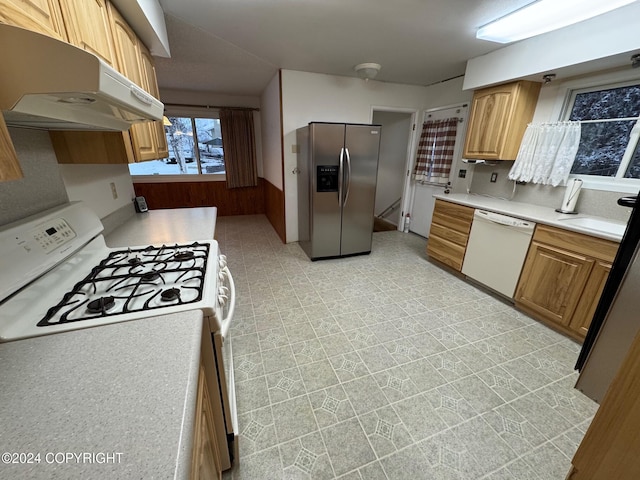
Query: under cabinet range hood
x,y
50,84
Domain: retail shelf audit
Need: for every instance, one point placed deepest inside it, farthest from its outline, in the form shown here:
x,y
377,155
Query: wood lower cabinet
x,y
498,118
563,277
205,461
449,233
42,16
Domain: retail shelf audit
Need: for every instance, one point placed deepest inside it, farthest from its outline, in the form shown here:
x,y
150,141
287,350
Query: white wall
x,y
271,138
91,184
42,187
308,97
393,157
596,44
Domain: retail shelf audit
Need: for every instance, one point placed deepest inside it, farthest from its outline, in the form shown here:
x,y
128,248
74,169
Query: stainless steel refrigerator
x,y
616,320
337,174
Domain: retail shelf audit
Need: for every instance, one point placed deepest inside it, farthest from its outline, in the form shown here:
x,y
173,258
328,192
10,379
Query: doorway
x,y
395,145
423,202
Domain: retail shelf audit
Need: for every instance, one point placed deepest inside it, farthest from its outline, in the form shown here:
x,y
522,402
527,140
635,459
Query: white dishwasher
x,y
496,250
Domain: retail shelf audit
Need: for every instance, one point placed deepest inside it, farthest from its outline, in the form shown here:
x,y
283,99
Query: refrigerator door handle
x,y
346,195
340,174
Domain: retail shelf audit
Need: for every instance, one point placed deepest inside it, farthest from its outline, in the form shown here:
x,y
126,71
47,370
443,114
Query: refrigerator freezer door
x,y
362,144
614,339
326,142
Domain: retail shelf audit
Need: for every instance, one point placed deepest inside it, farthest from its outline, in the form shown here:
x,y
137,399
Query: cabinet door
x,y
589,301
151,86
126,49
491,111
498,119
42,16
128,62
205,463
552,282
87,23
9,166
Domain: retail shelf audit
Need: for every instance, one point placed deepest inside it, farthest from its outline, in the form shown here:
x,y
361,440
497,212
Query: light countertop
x,y
536,213
166,226
127,390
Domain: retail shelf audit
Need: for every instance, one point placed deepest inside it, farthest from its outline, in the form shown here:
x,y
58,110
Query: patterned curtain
x,y
435,150
238,144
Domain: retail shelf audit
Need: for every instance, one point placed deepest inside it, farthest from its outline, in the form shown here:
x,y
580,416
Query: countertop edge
x,y
525,211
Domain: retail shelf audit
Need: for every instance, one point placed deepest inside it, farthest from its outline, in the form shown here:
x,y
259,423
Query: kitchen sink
x,y
588,223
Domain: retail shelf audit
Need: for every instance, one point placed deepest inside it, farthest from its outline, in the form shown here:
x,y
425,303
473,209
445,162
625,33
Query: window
x,y
610,131
195,147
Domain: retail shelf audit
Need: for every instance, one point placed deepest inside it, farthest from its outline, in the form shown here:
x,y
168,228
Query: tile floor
x,y
387,367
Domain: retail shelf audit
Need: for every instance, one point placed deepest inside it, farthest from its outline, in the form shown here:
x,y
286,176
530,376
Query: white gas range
x,y
57,274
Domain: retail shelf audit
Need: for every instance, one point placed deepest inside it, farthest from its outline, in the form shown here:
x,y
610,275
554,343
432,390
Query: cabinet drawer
x,y
445,251
454,216
449,234
576,242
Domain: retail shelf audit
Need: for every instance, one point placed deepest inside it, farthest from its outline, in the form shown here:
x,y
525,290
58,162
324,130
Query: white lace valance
x,y
547,153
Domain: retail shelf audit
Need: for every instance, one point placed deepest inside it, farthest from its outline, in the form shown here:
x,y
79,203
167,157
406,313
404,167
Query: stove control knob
x,y
222,261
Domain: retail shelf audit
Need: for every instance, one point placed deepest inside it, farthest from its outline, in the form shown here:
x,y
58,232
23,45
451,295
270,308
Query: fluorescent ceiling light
x,y
544,16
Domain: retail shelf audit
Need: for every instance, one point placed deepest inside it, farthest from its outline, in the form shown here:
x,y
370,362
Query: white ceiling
x,y
236,46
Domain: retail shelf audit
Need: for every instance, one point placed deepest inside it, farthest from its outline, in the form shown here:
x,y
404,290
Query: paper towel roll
x,y
571,196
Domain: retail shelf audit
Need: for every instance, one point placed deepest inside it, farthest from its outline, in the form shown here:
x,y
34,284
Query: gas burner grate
x,y
135,280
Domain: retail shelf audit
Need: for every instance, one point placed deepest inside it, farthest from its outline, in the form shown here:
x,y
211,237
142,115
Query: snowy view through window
x,y
610,129
195,147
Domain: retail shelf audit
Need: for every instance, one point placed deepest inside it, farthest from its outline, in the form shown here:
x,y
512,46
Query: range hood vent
x,y
50,84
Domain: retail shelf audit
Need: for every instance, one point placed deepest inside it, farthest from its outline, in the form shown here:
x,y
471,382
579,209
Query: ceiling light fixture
x,y
544,16
367,70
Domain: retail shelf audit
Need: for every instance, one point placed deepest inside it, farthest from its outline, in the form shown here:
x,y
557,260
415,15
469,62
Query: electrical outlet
x,y
462,173
114,192
494,177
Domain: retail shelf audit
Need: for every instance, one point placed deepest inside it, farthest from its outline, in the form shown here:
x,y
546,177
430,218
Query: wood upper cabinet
x,y
87,24
135,62
449,233
42,16
9,166
499,116
563,277
161,149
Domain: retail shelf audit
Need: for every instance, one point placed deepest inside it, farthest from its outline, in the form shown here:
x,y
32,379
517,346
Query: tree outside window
x,y
195,148
610,131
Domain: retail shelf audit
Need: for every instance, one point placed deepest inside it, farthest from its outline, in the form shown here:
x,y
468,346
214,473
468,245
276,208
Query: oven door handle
x,y
225,323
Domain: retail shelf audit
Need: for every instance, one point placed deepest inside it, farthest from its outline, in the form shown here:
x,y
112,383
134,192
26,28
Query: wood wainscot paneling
x,y
274,206
229,201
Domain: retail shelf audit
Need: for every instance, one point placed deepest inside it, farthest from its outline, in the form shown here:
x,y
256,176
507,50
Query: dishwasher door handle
x,y
504,220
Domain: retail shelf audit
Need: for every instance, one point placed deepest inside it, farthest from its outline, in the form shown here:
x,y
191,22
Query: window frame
x,y
563,106
192,114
